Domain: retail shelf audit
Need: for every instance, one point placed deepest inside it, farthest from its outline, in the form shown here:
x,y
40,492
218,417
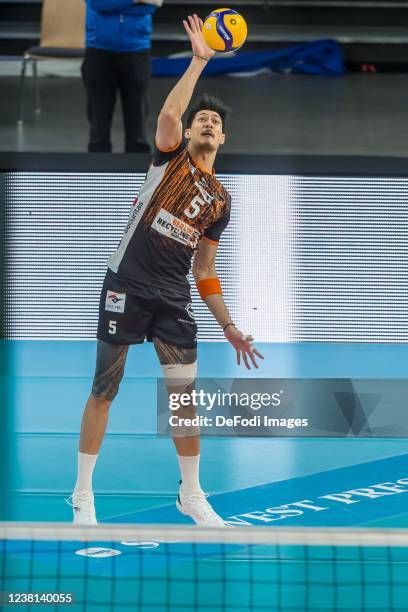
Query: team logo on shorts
x,y
190,311
115,302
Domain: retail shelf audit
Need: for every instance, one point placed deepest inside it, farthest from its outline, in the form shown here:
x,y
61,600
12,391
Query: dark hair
x,y
208,102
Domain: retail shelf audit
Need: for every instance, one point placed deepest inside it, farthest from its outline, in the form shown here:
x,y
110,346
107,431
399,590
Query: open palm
x,y
193,27
243,346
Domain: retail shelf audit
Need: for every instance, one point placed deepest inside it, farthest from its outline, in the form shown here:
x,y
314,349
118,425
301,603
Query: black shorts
x,y
132,318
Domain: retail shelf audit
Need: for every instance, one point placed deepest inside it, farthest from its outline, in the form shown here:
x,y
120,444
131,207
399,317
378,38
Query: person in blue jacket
x,y
117,59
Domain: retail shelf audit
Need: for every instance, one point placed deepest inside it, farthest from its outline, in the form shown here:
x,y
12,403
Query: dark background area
x,y
370,31
361,113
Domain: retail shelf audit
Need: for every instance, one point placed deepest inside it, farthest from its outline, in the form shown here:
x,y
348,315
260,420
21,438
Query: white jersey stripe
x,y
152,181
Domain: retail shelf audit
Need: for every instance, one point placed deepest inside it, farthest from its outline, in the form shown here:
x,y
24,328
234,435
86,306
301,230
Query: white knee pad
x,y
180,373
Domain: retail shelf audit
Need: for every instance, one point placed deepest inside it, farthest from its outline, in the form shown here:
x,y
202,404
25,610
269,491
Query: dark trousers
x,y
104,74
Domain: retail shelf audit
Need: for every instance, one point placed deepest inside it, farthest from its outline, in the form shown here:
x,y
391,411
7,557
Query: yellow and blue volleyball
x,y
225,30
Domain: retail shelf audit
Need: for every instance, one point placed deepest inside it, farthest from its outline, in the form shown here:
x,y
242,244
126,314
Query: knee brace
x,y
179,374
182,377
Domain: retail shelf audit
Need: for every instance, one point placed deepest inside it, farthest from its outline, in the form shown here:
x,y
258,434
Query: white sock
x,y
189,467
86,464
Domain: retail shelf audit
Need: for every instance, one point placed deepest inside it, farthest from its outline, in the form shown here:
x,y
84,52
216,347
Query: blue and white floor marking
x,y
353,495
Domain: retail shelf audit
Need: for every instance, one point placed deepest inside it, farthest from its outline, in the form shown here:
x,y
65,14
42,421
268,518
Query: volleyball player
x,y
180,213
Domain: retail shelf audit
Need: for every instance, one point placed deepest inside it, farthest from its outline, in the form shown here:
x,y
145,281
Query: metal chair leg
x,y
36,88
20,120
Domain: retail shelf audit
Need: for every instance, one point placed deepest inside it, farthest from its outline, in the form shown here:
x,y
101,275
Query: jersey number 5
x,y
194,208
112,327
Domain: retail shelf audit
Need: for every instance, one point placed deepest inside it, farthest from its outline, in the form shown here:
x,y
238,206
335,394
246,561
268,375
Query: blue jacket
x,y
118,25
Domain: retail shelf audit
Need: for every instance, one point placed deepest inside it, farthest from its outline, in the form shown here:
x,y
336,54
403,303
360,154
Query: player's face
x,y
206,132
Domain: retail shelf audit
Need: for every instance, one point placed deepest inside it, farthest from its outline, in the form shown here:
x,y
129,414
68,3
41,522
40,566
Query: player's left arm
x,y
209,287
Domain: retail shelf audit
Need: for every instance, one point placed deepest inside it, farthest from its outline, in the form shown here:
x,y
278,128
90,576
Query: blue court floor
x,y
137,470
264,482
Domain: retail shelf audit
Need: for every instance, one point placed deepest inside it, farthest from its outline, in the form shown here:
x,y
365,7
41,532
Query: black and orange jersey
x,y
178,205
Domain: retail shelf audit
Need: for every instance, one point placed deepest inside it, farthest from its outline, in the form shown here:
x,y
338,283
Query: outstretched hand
x,y
243,346
193,26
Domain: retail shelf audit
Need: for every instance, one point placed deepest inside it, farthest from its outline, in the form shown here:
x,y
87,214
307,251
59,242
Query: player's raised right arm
x,y
169,126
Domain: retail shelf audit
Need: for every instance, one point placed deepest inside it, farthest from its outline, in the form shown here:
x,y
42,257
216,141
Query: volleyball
x,y
225,30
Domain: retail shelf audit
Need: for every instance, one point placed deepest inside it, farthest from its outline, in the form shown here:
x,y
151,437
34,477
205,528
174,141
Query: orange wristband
x,y
208,286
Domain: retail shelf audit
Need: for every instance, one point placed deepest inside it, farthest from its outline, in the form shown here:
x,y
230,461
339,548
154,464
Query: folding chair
x,y
62,37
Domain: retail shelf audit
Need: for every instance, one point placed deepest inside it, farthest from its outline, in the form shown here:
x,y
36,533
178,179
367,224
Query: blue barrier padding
x,y
323,57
